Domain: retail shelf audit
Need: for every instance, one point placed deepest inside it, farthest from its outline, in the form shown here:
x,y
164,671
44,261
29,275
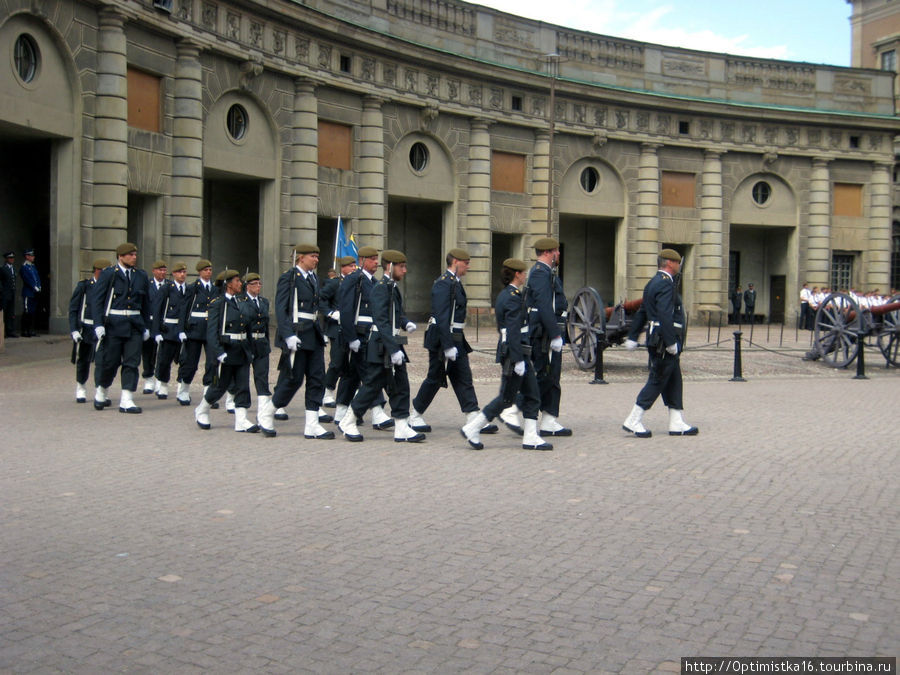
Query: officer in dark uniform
x,y
166,324
31,288
328,299
8,293
150,349
260,346
385,354
228,343
354,295
514,354
194,315
120,307
81,327
750,303
301,340
662,304
448,349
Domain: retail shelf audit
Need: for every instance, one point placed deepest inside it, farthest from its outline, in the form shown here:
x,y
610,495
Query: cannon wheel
x,y
889,335
585,326
837,325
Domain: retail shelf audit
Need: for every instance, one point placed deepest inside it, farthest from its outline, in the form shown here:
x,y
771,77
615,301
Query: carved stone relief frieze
x,y
562,111
324,56
412,80
770,134
663,124
727,129
301,48
875,142
474,94
432,84
748,133
538,106
851,86
684,68
368,69
621,119
389,73
186,10
279,39
453,90
509,34
642,120
578,114
814,136
496,100
233,26
705,129
209,15
791,136
600,117
835,138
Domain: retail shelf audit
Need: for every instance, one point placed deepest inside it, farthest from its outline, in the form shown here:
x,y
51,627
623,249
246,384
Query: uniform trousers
x,y
337,362
459,373
148,358
512,386
168,352
548,369
665,380
377,380
260,366
234,378
191,362
355,374
9,315
115,351
308,365
84,354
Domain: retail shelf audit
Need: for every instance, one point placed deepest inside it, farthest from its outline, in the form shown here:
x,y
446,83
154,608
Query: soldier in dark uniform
x,y
328,299
301,340
228,343
547,310
8,293
31,288
354,295
260,346
120,307
385,354
737,298
194,315
81,327
150,349
513,353
665,314
750,303
448,349
166,324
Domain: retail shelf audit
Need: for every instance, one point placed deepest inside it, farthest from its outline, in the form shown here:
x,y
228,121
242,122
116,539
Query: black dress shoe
x,y
472,444
418,438
489,429
281,417
324,436
559,432
107,403
214,406
325,419
389,424
80,399
515,428
99,405
133,410
268,433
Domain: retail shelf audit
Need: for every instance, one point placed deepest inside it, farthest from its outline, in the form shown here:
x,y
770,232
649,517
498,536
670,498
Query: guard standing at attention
x,y
8,293
165,329
665,341
31,288
81,327
192,331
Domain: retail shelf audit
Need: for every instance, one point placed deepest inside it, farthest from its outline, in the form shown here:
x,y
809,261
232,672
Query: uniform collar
x,y
671,278
370,276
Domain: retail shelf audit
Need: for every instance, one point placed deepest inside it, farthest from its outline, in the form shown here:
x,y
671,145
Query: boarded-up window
x,y
678,189
335,145
507,172
848,200
143,100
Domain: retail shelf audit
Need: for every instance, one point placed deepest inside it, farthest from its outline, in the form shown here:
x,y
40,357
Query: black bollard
x,y
737,358
860,359
598,368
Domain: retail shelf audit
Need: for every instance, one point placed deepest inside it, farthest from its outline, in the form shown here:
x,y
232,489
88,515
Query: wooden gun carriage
x,y
591,326
841,327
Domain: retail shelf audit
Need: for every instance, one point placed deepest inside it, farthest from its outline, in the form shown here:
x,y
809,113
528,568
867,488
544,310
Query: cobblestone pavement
x,y
143,544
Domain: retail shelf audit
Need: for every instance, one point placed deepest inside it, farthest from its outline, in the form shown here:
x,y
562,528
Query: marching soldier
x,y
167,312
448,349
150,349
329,306
119,301
260,347
302,342
192,333
227,339
513,352
662,303
385,354
81,326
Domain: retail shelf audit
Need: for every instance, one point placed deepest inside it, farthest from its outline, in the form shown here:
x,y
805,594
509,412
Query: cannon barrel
x,y
630,307
881,310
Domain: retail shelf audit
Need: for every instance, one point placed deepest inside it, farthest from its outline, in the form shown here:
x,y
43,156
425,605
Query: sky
x,y
815,31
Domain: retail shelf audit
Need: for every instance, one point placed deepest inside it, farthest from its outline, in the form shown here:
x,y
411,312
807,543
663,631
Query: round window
x,y
237,121
26,56
761,192
418,157
590,179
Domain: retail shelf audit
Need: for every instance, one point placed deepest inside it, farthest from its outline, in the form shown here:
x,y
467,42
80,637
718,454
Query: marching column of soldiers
x,y
119,318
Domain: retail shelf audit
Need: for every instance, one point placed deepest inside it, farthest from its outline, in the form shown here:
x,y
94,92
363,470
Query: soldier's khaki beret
x,y
159,264
253,276
459,254
670,254
203,264
302,249
126,248
228,275
391,256
101,264
221,276
368,252
346,260
546,244
515,264
179,267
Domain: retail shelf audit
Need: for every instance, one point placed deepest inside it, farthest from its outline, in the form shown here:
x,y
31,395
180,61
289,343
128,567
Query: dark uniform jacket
x,y
389,320
354,296
750,299
546,303
258,326
227,330
122,307
509,309
195,311
168,310
7,282
328,302
31,279
80,317
662,303
448,311
296,306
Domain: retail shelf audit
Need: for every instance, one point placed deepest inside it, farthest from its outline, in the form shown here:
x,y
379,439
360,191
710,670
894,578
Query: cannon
x,y
591,326
841,327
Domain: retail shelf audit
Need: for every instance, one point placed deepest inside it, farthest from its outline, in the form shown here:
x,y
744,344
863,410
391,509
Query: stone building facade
x,y
234,129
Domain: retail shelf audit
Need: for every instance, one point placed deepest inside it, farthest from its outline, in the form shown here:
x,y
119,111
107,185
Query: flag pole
x,y
337,230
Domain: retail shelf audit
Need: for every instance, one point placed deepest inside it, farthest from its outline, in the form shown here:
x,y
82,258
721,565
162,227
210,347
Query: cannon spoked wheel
x,y
586,326
836,330
889,335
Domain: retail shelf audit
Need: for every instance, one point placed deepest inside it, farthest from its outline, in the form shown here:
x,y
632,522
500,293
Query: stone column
x,y
710,285
372,228
477,236
304,168
818,239
878,269
187,155
110,184
540,186
645,251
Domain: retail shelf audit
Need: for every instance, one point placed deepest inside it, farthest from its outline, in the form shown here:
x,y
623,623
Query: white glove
x,y
451,354
38,289
354,346
182,337
159,339
519,368
397,358
556,344
146,335
325,337
411,327
672,349
221,357
292,342
334,315
100,331
630,344
76,336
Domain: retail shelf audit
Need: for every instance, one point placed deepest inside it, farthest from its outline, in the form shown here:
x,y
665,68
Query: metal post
x,y
737,358
598,368
860,359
